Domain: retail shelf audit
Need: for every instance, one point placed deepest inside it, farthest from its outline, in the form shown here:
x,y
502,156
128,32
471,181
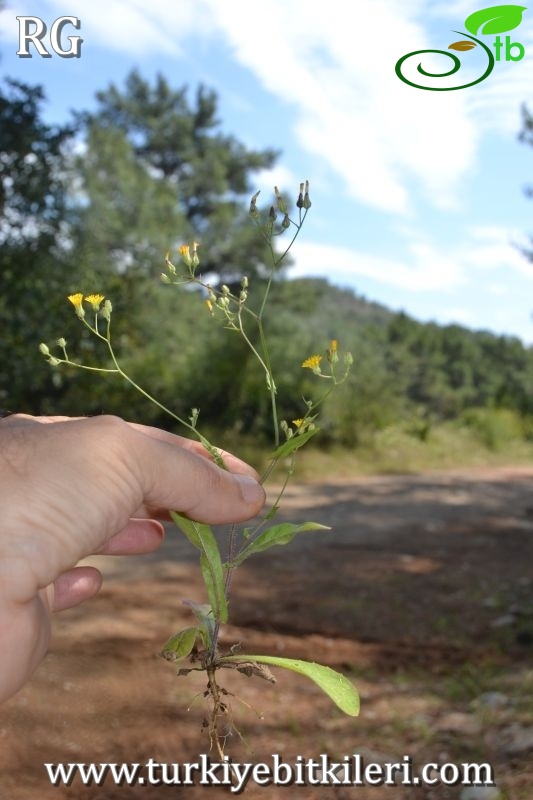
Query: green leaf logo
x,y
496,19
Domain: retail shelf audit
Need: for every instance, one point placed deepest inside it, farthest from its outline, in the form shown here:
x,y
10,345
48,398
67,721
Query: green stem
x,y
272,385
264,361
84,366
273,507
142,391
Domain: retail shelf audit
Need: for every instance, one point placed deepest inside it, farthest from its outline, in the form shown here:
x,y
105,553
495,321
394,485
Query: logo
x,y
487,21
28,34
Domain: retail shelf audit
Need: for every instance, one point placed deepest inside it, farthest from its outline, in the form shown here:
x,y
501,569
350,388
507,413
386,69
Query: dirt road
x,y
421,594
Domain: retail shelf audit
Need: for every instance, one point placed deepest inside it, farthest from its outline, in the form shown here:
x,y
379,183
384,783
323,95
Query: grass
x,y
395,451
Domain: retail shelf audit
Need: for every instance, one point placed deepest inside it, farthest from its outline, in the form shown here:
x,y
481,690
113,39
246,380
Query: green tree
x,y
34,237
158,171
152,170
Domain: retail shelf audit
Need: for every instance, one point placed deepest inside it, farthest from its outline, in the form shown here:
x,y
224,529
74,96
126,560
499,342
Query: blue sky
x,y
418,198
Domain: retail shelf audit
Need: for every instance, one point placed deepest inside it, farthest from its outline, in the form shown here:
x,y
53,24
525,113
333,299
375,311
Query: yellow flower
x,y
297,423
77,302
76,299
185,253
94,300
313,362
333,346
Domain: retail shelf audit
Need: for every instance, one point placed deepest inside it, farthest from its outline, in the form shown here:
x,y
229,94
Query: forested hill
x,y
403,370
404,367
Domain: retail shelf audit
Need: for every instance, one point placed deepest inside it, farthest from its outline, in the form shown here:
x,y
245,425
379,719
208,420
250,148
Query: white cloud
x,y
427,267
278,175
133,26
425,270
334,71
459,314
496,247
350,108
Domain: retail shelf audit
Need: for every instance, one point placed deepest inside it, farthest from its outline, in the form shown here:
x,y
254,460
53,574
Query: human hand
x,y
70,488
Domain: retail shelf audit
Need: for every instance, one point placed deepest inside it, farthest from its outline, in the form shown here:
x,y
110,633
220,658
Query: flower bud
x,y
106,310
62,342
280,202
45,350
332,353
253,208
195,260
306,201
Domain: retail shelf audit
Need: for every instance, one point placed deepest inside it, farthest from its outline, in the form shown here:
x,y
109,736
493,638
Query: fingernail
x,y
251,491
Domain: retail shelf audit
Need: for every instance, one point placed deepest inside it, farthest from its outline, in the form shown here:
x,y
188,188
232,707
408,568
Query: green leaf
x,y
202,537
293,444
277,534
204,614
213,575
496,19
180,645
334,684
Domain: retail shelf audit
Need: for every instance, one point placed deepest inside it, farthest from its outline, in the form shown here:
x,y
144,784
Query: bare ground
x,y
421,594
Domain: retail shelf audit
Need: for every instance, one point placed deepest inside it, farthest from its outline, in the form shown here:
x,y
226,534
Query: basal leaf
x,y
465,44
204,614
335,685
294,443
180,645
202,537
213,575
496,19
277,534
